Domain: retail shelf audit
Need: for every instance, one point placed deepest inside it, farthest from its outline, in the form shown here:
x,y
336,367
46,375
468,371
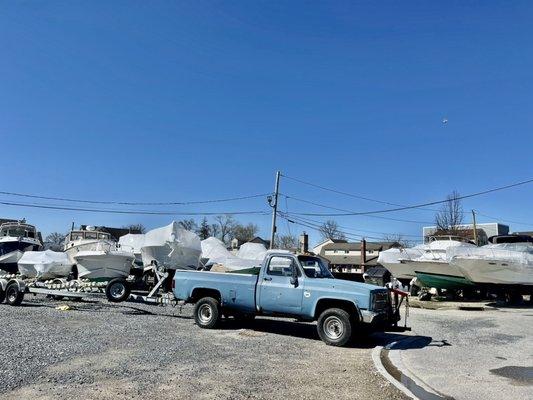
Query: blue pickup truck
x,y
288,285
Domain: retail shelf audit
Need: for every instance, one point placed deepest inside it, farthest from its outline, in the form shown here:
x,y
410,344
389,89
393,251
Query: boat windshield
x,y
18,231
91,235
314,267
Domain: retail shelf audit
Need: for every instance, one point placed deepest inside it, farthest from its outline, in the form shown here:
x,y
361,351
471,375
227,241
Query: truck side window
x,y
281,266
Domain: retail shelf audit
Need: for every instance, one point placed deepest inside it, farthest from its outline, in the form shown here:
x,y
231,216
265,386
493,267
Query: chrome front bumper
x,y
369,316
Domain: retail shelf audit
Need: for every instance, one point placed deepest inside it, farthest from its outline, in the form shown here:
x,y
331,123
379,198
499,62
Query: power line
x,y
423,204
339,192
351,229
348,211
503,220
134,203
135,212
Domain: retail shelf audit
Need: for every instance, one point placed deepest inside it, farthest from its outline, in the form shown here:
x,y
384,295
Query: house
x,y
353,257
318,248
484,231
236,243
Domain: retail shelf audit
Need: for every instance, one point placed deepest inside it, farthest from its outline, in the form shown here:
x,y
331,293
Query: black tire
x,y
14,295
207,313
2,295
117,290
335,327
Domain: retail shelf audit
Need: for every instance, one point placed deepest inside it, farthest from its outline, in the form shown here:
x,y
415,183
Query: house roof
x,y
350,260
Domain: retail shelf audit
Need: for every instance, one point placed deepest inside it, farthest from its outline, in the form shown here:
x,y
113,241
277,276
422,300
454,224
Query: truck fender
x,y
337,303
3,284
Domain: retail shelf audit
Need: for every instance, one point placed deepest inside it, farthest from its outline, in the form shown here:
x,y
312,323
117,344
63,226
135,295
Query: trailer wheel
x,y
2,294
335,327
207,313
117,290
14,295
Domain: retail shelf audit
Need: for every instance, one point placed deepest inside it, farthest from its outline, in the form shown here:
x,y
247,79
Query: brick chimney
x,y
304,243
363,254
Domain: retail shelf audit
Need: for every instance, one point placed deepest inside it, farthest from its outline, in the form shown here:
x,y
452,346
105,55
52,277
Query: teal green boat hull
x,y
440,281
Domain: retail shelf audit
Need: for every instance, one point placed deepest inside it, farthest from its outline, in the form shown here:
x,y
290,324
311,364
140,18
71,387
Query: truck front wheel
x,y
335,327
207,313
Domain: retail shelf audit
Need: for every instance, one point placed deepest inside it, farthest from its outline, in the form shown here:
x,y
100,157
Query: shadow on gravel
x,y
308,331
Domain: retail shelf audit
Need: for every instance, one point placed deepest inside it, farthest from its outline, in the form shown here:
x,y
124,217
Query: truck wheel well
x,y
200,293
346,305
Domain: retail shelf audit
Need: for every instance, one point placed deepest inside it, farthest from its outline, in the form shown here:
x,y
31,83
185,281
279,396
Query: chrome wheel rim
x,y
205,313
117,290
333,327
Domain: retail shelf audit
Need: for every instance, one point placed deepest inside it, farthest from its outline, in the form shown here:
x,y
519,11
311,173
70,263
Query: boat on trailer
x,y
97,256
15,239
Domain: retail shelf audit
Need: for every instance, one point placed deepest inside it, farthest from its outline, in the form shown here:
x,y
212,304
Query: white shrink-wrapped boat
x,y
171,247
133,242
97,255
215,252
428,263
43,265
500,264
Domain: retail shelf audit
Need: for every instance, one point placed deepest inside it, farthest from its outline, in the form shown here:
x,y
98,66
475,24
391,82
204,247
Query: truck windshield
x,y
314,267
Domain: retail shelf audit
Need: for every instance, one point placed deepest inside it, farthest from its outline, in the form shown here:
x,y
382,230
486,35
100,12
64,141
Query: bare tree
x,y
54,241
330,230
286,242
244,232
136,228
399,239
226,223
215,230
188,224
450,216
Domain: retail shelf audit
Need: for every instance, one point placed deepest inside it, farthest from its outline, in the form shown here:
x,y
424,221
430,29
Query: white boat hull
x,y
171,256
494,271
103,265
45,271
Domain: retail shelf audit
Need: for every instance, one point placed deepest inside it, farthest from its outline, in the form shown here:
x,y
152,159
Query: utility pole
x,y
274,204
475,227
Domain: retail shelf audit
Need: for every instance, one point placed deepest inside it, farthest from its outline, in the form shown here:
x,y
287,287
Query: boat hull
x,y
45,270
171,256
493,271
102,265
442,281
12,251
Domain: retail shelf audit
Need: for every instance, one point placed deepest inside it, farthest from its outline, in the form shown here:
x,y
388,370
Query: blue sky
x,y
178,101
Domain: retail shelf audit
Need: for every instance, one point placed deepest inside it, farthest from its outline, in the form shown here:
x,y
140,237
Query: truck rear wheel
x,y
207,312
335,327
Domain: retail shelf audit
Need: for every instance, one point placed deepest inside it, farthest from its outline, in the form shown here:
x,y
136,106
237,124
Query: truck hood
x,y
342,286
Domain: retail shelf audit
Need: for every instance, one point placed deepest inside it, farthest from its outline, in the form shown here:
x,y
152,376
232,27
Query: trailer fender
x,y
20,283
3,284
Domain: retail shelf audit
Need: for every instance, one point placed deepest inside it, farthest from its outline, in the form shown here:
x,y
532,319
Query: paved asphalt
x,y
473,354
100,350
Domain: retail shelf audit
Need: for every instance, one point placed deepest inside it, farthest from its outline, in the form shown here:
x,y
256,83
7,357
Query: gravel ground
x,y
100,350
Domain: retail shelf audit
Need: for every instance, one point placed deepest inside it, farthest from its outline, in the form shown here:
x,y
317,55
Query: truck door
x,y
276,293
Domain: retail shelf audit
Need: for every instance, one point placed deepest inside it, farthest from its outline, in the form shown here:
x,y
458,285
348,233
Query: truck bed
x,y
236,290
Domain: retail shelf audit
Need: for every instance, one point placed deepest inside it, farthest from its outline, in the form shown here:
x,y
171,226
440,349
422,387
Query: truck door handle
x,y
267,279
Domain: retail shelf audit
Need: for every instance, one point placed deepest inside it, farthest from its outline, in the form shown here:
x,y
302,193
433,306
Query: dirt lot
x,y
100,350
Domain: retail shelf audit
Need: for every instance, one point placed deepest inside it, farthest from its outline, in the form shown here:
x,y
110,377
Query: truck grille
x,y
380,301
